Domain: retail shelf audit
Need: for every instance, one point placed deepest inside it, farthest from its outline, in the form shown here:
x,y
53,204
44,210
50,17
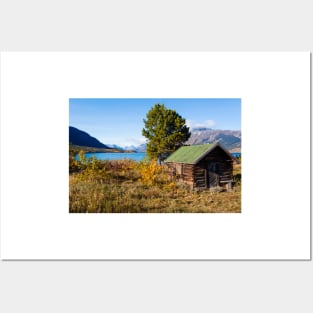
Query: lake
x,y
116,156
236,154
120,156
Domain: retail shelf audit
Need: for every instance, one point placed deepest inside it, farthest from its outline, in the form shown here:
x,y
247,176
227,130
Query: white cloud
x,y
123,142
189,123
135,141
206,124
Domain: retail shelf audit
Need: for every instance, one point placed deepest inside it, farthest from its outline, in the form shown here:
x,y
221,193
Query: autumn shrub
x,y
152,173
90,168
74,165
104,171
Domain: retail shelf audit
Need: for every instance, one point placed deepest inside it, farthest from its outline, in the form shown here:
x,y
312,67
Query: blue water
x,y
116,156
120,156
236,154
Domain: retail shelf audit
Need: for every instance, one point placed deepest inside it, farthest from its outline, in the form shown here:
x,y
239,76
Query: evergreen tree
x,y
165,130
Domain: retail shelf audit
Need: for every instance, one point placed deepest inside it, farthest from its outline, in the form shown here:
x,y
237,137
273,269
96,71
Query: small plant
x,y
151,172
74,165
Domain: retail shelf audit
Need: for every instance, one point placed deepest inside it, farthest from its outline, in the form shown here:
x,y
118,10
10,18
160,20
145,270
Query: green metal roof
x,y
189,154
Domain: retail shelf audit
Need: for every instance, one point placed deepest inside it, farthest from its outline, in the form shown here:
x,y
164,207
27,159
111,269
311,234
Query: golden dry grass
x,y
126,187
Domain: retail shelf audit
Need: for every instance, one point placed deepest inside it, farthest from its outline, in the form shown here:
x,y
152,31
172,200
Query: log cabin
x,y
202,166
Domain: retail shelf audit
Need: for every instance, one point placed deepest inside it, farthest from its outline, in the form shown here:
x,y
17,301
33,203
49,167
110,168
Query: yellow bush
x,y
151,173
91,168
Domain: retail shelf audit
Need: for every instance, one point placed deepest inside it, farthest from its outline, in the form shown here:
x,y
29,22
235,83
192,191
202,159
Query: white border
x,y
275,93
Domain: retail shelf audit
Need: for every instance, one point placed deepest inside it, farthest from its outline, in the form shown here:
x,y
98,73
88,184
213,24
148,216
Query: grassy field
x,y
126,186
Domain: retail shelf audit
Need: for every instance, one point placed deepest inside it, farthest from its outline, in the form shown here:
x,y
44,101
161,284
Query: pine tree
x,y
165,130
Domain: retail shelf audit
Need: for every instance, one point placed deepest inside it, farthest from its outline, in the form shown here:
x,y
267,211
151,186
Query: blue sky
x,y
120,121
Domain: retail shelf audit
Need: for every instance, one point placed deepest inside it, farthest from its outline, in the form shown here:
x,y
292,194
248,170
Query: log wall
x,y
219,166
182,172
212,171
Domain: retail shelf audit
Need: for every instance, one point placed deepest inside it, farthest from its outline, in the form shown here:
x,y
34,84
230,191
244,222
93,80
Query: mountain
x,y
230,139
140,148
81,138
197,129
115,147
130,148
